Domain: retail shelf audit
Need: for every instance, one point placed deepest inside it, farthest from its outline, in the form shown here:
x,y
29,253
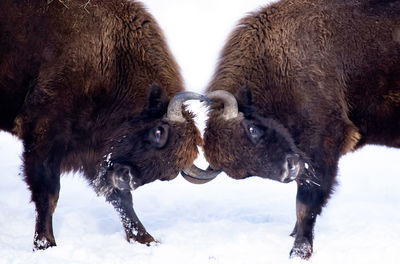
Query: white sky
x,y
197,30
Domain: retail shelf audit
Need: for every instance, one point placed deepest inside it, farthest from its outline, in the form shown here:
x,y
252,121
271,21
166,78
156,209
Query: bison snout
x,y
122,177
291,168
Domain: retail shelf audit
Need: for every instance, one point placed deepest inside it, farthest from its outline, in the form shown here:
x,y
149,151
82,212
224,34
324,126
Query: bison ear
x,y
245,100
157,101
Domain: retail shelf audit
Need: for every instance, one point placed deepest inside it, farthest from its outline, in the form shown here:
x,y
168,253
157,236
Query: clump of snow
x,y
40,242
108,159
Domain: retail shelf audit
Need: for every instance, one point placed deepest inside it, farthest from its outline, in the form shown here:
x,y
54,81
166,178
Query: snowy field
x,y
224,221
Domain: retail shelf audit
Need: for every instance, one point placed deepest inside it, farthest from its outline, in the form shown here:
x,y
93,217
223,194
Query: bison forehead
x,y
186,145
224,144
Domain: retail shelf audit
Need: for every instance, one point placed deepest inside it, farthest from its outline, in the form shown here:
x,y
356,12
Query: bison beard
x,y
313,80
76,86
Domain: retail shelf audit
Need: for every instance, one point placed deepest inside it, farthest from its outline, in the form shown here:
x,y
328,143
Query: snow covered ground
x,y
224,221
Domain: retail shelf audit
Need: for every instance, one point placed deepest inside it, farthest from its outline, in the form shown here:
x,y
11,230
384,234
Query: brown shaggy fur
x,y
327,71
76,85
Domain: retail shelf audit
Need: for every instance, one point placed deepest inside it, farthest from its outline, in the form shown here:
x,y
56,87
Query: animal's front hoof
x,y
301,250
143,238
42,243
146,239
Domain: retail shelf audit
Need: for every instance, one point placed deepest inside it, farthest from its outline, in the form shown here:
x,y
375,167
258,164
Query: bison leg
x,y
294,231
134,229
306,211
309,202
43,178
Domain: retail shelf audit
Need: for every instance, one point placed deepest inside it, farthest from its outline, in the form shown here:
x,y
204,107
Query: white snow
x,y
221,222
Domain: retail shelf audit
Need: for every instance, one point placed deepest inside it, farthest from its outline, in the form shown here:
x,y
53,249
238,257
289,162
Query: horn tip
x,y
205,99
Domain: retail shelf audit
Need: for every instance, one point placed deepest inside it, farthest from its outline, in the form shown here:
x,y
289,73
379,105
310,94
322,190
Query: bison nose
x,y
291,168
292,161
121,177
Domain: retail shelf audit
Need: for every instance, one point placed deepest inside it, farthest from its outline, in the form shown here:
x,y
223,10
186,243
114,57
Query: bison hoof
x,y
42,243
143,238
302,250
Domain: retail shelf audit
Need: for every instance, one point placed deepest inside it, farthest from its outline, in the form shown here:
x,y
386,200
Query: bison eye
x,y
159,135
253,132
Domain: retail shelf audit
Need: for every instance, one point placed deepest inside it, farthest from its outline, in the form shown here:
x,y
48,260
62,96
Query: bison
x,y
298,85
91,86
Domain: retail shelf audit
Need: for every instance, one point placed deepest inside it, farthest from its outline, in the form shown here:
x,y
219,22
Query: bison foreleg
x,y
303,231
43,178
294,231
134,229
309,203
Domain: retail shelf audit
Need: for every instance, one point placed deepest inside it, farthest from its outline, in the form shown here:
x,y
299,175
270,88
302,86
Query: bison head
x,y
157,144
243,143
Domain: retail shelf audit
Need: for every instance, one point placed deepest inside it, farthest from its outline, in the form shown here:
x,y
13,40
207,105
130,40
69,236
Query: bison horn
x,y
174,112
198,176
230,103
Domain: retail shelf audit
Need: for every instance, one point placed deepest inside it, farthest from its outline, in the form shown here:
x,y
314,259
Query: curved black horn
x,y
174,112
198,176
230,103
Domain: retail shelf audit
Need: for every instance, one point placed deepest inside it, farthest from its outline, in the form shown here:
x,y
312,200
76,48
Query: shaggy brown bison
x,y
87,86
313,80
